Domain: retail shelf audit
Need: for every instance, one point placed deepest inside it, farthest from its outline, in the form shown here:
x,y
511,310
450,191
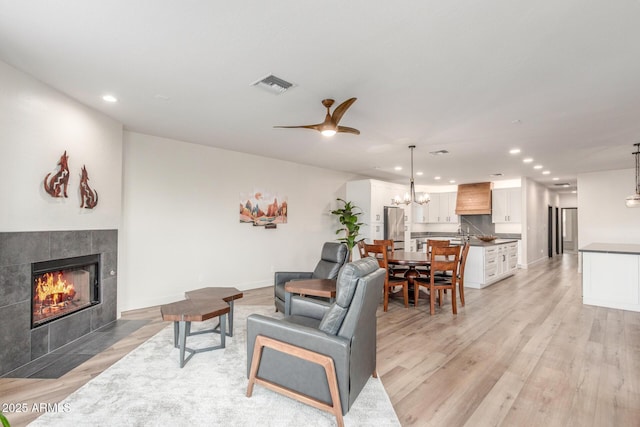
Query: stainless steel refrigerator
x,y
394,226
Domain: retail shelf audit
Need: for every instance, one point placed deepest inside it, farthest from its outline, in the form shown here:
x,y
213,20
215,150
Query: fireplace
x,y
22,253
61,287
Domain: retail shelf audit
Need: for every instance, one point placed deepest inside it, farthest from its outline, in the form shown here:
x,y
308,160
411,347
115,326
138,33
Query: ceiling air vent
x,y
439,152
273,84
562,184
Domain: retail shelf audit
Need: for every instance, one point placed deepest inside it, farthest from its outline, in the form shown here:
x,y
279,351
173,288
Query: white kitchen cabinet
x,y
442,208
487,265
506,204
372,196
420,213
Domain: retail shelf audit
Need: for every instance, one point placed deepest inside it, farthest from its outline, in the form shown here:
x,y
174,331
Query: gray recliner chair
x,y
334,256
326,352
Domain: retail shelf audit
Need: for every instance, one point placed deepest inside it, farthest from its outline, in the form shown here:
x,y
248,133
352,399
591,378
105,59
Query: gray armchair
x,y
334,256
325,352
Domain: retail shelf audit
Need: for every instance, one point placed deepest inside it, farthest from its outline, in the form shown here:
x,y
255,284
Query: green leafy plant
x,y
4,421
348,217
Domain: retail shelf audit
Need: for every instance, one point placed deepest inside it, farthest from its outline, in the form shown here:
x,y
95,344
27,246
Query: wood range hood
x,y
474,199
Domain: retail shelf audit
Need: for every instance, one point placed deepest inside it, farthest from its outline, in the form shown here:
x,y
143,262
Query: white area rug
x,y
148,388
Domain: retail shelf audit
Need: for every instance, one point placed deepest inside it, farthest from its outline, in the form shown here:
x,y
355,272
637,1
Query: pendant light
x,y
411,196
633,201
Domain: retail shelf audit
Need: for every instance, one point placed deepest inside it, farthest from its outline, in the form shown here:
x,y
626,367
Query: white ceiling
x,y
558,79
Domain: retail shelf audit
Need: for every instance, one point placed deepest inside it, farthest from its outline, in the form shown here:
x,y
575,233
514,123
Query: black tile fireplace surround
x,y
19,344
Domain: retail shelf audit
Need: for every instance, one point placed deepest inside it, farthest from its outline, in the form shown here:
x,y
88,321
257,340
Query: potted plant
x,y
348,217
4,421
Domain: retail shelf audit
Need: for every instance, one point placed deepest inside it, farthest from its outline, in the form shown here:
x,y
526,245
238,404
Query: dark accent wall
x,y
19,344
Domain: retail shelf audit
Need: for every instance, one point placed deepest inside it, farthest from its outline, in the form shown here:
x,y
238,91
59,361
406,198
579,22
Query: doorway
x,y
550,232
558,244
570,230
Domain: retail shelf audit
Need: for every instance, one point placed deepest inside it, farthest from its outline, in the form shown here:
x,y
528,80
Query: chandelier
x,y
411,196
633,201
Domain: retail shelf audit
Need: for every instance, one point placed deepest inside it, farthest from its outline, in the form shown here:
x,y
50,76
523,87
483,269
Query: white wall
x,y
602,214
535,219
181,227
568,200
37,125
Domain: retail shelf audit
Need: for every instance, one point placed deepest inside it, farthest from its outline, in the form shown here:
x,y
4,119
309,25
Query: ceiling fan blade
x,y
314,127
346,129
341,109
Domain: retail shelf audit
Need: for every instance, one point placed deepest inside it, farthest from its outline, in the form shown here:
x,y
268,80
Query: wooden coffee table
x,y
228,295
316,287
200,305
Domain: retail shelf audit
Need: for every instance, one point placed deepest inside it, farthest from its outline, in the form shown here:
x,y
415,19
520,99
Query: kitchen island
x,y
490,262
611,275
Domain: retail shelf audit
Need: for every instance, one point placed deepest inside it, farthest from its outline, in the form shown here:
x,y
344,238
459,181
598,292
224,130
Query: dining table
x,y
411,260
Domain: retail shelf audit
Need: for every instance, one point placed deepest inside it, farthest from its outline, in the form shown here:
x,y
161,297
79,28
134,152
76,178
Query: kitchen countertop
x,y
613,248
476,242
440,234
502,239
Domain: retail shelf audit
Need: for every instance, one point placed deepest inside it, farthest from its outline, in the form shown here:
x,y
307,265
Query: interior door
x,y
550,231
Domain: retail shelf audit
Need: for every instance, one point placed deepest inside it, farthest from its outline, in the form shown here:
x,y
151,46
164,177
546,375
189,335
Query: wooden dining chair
x,y
464,252
360,244
443,259
463,263
380,253
431,243
393,269
387,242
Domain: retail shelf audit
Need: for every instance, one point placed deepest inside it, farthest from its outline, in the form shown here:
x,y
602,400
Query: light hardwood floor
x,y
523,352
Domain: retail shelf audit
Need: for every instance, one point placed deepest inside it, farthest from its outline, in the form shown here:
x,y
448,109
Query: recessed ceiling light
x,y
537,167
109,98
556,178
419,173
574,192
452,181
516,121
527,160
514,151
398,168
566,185
546,172
437,178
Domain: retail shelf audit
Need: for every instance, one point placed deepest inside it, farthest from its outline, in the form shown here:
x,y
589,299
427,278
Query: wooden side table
x,y
316,287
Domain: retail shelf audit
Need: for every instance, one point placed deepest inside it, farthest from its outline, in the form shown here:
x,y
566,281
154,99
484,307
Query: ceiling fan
x,y
330,125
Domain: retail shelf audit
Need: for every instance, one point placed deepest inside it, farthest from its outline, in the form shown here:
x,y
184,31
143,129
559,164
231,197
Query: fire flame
x,y
57,289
